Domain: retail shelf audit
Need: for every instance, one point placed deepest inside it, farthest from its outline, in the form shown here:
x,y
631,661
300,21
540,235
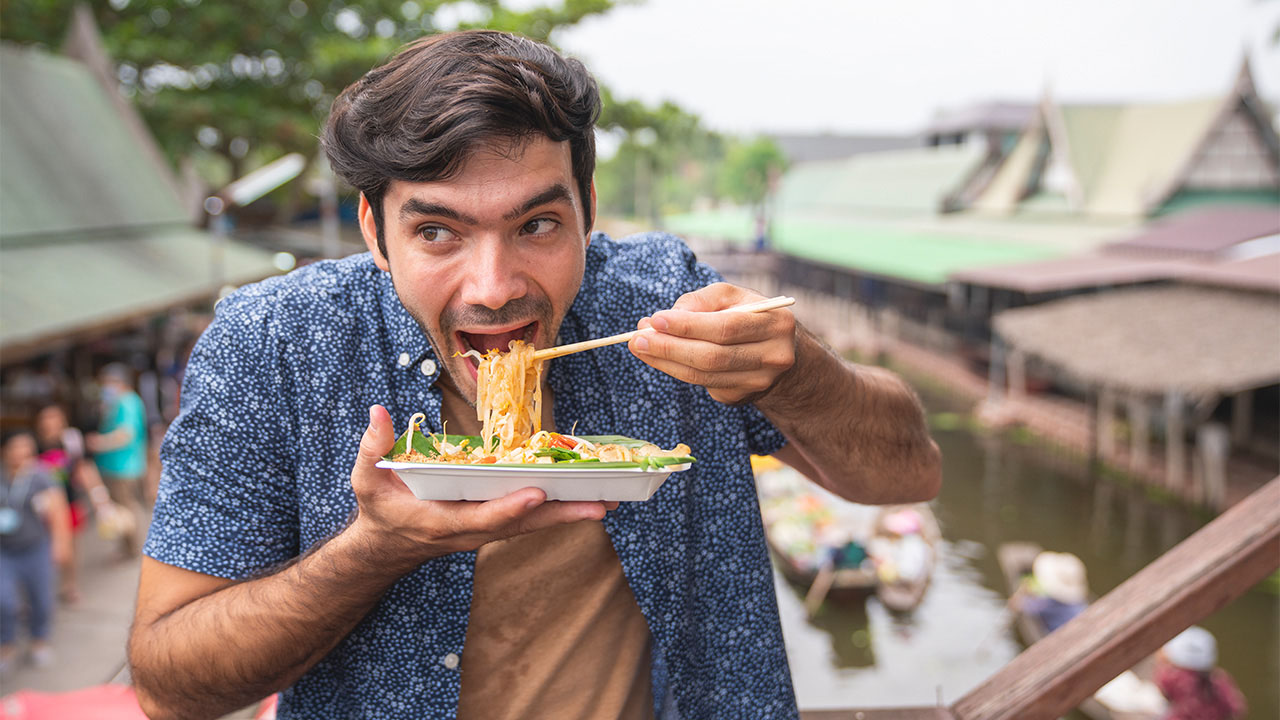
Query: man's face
x,y
493,254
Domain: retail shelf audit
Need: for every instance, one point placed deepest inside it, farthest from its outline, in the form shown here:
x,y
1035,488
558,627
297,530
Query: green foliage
x,y
664,161
751,171
233,77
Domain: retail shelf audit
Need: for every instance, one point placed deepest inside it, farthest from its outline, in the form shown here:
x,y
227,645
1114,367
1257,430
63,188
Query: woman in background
x,y
62,452
1196,689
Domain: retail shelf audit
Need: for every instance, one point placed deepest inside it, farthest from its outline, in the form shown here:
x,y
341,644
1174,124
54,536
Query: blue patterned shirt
x,y
257,469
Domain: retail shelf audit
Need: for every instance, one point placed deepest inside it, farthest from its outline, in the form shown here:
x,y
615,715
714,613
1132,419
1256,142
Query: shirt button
x,y
428,367
404,359
450,661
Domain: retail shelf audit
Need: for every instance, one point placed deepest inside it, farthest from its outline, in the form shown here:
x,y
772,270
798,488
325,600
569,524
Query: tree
x,y
665,159
751,171
235,78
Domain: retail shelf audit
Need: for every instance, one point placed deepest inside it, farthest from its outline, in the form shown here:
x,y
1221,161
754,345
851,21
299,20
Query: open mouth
x,y
493,339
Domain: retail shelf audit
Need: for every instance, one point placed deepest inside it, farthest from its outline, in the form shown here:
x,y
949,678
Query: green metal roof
x,y
919,255
69,161
733,224
91,234
57,289
897,181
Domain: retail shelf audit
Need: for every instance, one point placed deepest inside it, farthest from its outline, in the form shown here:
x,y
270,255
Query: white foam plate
x,y
487,482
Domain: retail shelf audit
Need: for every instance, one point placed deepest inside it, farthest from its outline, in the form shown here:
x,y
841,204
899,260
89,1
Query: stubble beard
x,y
536,307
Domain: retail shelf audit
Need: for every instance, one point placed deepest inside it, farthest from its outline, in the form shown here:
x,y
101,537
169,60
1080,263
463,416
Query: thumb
x,y
378,438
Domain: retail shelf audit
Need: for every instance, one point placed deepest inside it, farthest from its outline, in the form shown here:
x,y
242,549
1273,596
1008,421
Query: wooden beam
x,y
928,713
1197,577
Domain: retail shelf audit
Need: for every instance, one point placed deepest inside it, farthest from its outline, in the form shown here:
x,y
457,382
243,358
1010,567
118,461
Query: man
x,y
473,153
120,449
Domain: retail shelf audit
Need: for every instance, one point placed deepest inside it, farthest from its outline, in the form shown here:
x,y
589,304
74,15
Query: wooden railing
x,y
1197,577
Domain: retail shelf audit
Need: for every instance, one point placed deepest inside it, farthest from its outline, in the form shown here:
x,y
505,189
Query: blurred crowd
x,y
79,464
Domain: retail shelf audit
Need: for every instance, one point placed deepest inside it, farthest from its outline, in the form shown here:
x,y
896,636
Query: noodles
x,y
509,397
509,407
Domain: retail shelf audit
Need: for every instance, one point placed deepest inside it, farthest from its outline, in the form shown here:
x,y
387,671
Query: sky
x,y
754,66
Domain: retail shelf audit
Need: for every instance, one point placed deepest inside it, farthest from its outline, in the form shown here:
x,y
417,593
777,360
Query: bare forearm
x,y
247,640
861,428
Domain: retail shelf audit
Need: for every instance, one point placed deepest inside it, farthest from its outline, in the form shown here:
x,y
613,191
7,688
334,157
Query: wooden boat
x,y
800,521
904,595
1117,699
845,583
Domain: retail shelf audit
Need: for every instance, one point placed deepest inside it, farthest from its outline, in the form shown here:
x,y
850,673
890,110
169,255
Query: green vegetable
x,y
558,453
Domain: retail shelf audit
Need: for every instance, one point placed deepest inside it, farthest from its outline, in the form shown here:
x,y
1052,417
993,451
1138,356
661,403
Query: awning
x,y
52,290
1259,273
1199,341
1203,232
1069,273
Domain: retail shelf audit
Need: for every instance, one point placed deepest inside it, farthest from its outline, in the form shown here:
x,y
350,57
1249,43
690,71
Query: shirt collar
x,y
408,343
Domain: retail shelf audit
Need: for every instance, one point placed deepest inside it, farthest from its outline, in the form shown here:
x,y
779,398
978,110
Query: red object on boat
x,y
100,702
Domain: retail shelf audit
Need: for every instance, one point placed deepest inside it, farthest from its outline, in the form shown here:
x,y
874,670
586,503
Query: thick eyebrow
x,y
413,207
552,194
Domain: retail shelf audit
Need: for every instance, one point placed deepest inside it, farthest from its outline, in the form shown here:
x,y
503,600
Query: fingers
x,y
717,296
526,510
773,355
725,387
722,328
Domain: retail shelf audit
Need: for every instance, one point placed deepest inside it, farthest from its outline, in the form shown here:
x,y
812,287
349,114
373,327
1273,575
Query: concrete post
x,y
996,372
1241,418
1175,445
1017,360
1140,431
1107,422
1214,443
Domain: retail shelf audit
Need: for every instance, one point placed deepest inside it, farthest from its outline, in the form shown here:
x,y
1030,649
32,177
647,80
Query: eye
x,y
541,226
435,233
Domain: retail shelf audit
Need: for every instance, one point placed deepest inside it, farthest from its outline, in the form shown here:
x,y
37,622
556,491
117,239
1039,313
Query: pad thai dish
x,y
509,406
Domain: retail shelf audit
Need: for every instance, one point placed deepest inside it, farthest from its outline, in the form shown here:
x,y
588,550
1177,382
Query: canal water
x,y
999,488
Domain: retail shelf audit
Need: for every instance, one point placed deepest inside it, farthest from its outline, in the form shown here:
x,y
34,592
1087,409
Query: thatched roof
x,y
1199,341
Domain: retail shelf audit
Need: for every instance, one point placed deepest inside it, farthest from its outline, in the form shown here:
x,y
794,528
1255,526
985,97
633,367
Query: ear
x,y
591,225
369,229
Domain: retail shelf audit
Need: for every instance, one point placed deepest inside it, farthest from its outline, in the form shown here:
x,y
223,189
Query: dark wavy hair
x,y
422,114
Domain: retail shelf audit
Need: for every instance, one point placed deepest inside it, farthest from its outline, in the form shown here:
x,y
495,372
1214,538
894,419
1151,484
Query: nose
x,y
494,275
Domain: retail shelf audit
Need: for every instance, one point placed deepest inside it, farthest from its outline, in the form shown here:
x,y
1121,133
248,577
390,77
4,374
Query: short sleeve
x,y
763,438
226,505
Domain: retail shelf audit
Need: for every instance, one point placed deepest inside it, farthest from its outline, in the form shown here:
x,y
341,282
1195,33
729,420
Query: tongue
x,y
502,341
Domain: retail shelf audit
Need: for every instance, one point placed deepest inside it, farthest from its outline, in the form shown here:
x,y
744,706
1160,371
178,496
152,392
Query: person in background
x,y
35,534
1195,688
901,553
62,452
120,449
1058,589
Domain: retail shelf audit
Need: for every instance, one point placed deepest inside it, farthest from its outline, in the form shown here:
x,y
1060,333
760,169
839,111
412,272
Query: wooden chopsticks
x,y
554,352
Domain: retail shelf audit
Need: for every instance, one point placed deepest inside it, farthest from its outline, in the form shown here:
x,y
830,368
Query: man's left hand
x,y
736,356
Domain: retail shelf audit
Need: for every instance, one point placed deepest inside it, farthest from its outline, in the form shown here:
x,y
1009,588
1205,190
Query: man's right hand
x,y
405,531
